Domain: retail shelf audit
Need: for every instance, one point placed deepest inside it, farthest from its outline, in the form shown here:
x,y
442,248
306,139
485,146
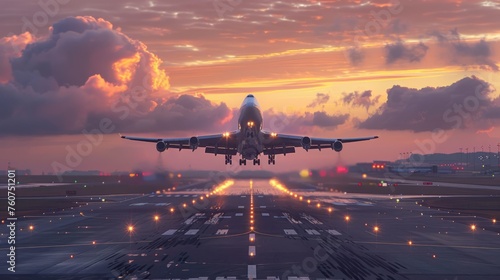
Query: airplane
x,y
249,140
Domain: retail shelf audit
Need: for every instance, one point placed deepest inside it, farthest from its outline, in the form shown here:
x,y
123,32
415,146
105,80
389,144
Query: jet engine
x,y
337,146
161,146
194,143
306,143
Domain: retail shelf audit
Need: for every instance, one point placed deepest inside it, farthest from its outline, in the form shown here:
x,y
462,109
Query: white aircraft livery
x,y
249,140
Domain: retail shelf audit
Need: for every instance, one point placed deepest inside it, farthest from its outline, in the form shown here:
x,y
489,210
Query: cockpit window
x,y
250,95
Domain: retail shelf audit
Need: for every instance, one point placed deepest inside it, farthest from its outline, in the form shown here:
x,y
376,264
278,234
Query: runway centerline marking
x,y
252,271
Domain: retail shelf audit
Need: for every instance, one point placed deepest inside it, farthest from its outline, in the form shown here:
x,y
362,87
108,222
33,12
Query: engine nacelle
x,y
337,146
194,142
161,146
306,143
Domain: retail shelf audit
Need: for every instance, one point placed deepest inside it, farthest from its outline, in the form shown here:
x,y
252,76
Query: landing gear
x,y
256,161
271,159
243,161
229,160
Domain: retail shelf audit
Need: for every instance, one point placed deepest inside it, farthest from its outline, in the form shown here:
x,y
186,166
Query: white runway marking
x,y
310,219
251,251
138,204
194,218
252,271
263,206
194,195
312,232
214,220
161,195
334,232
265,214
170,232
151,196
239,214
243,196
290,219
186,195
162,204
221,232
241,207
177,195
192,232
290,232
168,195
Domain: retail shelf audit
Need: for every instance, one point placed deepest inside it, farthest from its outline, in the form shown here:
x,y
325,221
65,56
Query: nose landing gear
x,y
229,160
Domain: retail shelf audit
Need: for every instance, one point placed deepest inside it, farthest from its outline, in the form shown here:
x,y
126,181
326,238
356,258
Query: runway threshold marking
x,y
265,214
290,232
312,232
192,232
238,214
169,232
334,232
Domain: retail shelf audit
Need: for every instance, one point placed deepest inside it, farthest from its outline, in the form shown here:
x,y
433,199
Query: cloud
x,y
85,71
10,47
459,105
360,99
321,99
356,55
399,51
467,53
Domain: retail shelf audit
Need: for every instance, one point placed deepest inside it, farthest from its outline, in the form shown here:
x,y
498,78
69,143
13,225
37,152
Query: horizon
x,y
74,76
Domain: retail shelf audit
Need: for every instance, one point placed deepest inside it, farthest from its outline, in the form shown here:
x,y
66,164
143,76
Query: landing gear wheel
x,y
256,161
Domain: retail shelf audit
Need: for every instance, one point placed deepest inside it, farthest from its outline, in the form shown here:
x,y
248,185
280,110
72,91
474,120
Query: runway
x,y
254,229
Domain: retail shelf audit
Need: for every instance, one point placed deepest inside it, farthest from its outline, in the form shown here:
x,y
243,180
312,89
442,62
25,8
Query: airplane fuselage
x,y
250,125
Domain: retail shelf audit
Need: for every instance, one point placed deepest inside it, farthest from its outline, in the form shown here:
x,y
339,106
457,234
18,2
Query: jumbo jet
x,y
249,140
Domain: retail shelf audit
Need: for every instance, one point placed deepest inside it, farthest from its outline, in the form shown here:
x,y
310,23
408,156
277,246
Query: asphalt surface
x,y
344,237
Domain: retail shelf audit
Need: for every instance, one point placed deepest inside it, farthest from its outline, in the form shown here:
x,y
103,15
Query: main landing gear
x,y
271,159
256,161
229,160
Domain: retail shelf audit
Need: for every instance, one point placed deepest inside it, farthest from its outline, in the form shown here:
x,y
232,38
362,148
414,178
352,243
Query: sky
x,y
74,75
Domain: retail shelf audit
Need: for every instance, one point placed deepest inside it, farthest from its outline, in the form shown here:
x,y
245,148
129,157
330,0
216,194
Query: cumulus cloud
x,y
458,105
360,99
85,71
400,51
10,47
467,53
321,99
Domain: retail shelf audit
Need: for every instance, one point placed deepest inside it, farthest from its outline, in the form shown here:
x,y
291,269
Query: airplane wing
x,y
276,143
224,143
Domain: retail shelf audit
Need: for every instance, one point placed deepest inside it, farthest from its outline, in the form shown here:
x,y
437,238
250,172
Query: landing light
x,y
473,227
410,243
156,217
130,228
31,227
347,218
376,229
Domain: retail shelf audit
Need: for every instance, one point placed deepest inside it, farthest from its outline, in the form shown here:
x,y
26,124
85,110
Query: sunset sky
x,y
420,74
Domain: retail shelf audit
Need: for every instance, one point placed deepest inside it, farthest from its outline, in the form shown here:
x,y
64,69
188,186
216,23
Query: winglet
x,y
375,137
